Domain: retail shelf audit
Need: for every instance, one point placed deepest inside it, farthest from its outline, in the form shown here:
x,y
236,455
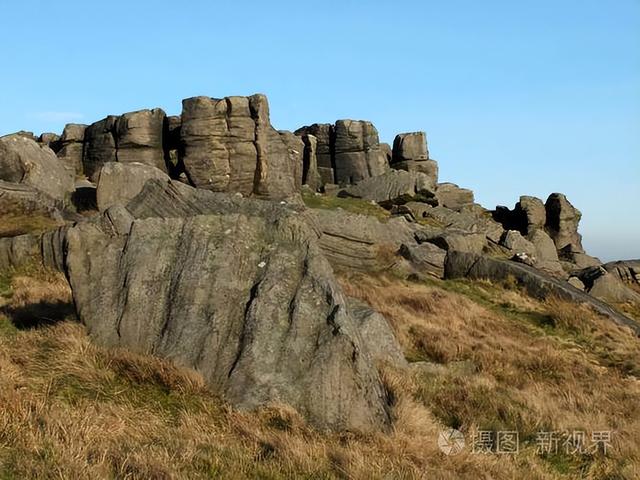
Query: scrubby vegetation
x,y
484,357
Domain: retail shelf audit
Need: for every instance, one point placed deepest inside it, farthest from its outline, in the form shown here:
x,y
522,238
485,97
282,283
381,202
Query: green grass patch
x,y
353,205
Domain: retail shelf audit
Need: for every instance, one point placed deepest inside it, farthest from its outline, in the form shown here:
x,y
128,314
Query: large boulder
x,y
24,161
120,182
70,147
514,241
229,145
390,186
451,196
139,138
426,258
410,146
246,299
562,221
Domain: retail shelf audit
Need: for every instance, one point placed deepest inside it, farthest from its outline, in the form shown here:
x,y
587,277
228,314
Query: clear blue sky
x,y
515,97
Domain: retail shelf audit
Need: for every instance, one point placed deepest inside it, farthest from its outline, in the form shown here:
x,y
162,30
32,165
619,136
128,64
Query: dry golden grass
x,y
71,409
13,225
507,361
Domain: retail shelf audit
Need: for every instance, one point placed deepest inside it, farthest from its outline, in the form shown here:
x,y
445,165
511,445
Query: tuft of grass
x,y
353,205
13,225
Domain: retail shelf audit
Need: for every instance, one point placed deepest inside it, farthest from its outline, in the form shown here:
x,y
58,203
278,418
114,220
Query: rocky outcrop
x,y
120,182
229,145
390,186
132,137
70,147
357,152
347,152
246,300
24,161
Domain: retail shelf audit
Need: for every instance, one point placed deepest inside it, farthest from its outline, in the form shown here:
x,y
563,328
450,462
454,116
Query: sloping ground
x,y
484,357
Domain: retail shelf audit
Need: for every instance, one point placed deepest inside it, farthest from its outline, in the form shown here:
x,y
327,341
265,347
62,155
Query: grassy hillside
x,y
484,357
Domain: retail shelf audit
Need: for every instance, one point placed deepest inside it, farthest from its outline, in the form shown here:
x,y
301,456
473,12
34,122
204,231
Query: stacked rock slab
x,y
347,152
139,137
410,153
70,147
229,145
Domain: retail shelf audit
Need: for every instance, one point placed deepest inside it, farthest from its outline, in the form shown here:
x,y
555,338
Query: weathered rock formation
x,y
347,152
562,220
229,145
131,137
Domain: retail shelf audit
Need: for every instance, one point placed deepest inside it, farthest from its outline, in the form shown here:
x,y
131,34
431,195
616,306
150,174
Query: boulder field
x,y
211,238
